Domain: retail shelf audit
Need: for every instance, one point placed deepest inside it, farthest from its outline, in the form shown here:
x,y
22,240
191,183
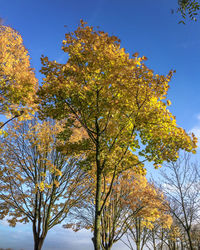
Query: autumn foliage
x,y
38,184
117,101
110,115
18,84
134,206
101,85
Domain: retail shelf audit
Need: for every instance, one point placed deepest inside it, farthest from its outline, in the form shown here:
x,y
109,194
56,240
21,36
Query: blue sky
x,y
144,26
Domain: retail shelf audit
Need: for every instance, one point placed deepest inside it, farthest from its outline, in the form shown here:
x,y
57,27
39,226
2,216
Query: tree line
x,y
76,150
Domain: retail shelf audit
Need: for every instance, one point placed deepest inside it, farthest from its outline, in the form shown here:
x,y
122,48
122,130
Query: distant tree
x,y
132,199
6,248
167,238
195,235
38,184
181,185
151,215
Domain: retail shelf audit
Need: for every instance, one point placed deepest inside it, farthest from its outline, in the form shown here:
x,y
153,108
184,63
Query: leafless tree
x,y
181,184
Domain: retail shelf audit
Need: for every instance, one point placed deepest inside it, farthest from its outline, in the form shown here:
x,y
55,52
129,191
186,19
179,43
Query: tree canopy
x,y
38,184
115,107
133,207
18,84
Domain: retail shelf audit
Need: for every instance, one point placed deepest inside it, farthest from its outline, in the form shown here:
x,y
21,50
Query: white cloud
x,y
4,223
196,132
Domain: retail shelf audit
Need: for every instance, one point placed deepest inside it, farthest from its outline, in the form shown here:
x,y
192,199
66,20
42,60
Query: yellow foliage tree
x,y
119,104
133,207
38,183
146,208
18,85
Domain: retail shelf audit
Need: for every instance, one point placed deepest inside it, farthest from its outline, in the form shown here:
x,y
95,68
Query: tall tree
x,y
38,183
18,84
116,101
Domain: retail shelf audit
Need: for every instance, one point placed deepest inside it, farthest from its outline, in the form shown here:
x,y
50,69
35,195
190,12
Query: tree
x,y
148,206
195,235
181,185
116,211
132,200
116,102
18,84
166,237
38,183
188,8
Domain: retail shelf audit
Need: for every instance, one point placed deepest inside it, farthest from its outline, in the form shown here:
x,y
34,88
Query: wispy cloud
x,y
196,130
189,44
4,223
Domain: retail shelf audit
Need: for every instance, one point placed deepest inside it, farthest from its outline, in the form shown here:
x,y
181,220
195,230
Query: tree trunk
x,y
138,245
97,235
190,240
162,241
182,248
138,234
97,223
38,240
154,240
174,248
38,243
107,247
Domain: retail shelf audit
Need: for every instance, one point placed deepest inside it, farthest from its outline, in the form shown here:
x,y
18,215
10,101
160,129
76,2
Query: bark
x,y
138,233
97,235
38,243
97,223
38,239
138,245
182,247
162,240
190,240
107,247
154,240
